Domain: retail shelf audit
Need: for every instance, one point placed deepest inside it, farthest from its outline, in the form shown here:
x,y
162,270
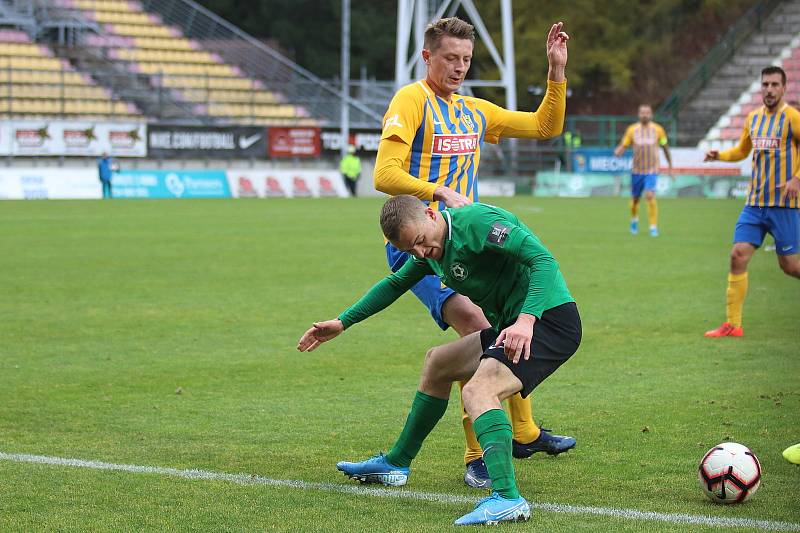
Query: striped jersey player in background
x,y
772,132
646,137
430,148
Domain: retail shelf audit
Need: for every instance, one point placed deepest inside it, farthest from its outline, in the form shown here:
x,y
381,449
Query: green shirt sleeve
x,y
521,245
385,292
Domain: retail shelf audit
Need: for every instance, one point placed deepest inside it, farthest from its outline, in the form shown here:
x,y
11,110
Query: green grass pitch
x,y
163,333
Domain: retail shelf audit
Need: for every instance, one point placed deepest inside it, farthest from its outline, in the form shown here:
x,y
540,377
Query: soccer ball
x,y
729,473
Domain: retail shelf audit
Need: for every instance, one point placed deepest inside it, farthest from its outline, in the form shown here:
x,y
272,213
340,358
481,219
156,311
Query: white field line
x,y
252,479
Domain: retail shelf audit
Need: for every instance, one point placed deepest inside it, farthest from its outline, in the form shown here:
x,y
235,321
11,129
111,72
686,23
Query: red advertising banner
x,y
294,142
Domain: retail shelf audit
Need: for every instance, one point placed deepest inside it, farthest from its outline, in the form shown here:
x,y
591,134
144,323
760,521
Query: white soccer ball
x,y
729,473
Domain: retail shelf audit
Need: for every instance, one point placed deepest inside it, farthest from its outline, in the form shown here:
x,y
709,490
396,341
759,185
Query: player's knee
x,y
470,392
790,265
463,316
739,258
430,359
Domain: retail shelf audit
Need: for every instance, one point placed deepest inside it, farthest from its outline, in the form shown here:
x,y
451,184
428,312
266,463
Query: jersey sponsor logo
x,y
766,143
394,120
498,234
448,144
458,271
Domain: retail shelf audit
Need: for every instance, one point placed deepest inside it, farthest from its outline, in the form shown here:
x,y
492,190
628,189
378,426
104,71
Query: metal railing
x,y
276,72
607,130
716,58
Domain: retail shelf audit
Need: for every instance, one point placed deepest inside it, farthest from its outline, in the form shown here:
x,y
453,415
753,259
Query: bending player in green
x,y
488,255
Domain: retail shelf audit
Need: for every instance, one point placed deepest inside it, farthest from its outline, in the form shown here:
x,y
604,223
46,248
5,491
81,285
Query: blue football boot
x,y
634,226
653,231
476,475
376,469
547,442
495,509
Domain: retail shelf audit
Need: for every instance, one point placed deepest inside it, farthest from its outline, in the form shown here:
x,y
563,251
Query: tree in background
x,y
621,52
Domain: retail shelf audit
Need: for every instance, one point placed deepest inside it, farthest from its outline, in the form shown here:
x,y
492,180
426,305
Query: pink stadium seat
x,y
246,189
299,187
274,188
13,36
730,133
326,187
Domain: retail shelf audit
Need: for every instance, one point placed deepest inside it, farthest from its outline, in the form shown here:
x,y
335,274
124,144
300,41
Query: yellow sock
x,y
634,208
473,448
652,212
734,296
525,429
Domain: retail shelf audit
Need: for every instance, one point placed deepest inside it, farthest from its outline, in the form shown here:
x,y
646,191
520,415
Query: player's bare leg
x,y
790,264
465,317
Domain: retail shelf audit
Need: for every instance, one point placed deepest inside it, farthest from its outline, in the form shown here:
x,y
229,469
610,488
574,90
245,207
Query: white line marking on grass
x,y
252,479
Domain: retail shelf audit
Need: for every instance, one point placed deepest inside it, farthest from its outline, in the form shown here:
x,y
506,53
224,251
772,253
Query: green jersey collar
x,y
449,225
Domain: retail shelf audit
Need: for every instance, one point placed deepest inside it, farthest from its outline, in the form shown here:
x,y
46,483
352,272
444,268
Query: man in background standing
x,y
105,168
646,137
350,167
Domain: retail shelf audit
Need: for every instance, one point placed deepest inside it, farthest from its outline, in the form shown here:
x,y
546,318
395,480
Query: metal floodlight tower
x,y
416,14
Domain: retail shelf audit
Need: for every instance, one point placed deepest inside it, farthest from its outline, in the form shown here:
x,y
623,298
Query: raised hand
x,y
557,46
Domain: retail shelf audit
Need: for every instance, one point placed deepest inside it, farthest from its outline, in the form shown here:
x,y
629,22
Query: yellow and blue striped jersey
x,y
774,139
446,137
646,140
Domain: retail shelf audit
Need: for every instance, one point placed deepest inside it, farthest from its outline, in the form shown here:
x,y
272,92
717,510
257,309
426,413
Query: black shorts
x,y
556,336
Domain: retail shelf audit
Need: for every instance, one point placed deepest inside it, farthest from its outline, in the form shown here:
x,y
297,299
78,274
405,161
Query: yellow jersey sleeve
x,y
545,123
661,135
741,150
404,114
627,137
390,175
794,120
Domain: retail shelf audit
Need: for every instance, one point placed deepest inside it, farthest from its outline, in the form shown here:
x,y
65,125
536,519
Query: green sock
x,y
425,414
494,433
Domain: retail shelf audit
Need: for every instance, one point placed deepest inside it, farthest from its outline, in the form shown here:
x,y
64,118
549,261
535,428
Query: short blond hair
x,y
397,212
452,27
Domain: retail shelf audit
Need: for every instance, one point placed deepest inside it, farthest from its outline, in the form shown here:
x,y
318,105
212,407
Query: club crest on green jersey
x,y
458,271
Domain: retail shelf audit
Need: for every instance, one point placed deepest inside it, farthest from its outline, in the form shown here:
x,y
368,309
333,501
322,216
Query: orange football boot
x,y
726,330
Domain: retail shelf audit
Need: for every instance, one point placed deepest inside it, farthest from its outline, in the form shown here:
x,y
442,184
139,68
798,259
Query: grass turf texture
x,y
162,333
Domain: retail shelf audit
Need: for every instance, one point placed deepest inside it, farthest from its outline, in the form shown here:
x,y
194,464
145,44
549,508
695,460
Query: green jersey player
x,y
488,255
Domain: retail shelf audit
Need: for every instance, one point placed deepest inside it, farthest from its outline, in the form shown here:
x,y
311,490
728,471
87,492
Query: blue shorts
x,y
429,290
640,182
783,223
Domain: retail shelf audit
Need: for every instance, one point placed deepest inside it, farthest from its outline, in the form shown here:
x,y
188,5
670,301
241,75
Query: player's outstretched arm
x,y
711,155
318,333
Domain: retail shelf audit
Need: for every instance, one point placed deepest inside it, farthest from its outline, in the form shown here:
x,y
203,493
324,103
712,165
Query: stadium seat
x,y
145,44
